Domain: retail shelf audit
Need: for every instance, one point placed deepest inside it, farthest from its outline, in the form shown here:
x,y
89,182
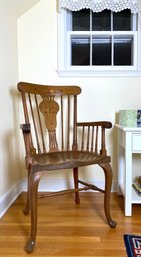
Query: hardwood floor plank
x,y
66,229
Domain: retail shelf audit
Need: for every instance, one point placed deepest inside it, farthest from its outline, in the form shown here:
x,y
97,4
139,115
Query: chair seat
x,y
66,160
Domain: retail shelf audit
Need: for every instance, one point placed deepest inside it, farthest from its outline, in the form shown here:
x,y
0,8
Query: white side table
x,y
129,142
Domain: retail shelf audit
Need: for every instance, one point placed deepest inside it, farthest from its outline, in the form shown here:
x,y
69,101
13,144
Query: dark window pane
x,y
80,50
101,21
101,48
122,20
123,51
81,20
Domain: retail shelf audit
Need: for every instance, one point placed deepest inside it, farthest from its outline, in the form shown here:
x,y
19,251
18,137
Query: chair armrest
x,y
92,136
104,124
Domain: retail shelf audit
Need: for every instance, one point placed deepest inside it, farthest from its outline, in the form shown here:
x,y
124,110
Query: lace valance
x,y
100,5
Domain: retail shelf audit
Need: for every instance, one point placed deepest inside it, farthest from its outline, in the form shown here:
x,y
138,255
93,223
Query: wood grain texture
x,y
51,90
66,229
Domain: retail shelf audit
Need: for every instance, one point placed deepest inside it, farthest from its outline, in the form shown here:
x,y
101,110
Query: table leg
x,y
128,175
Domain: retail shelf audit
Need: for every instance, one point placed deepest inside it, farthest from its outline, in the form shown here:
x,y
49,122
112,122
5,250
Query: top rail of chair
x,y
25,87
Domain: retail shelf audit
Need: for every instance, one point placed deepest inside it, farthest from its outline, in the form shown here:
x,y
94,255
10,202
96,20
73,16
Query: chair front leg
x,y
33,190
108,182
27,207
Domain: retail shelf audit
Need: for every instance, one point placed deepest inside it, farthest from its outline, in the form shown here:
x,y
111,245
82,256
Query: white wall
x,y
9,125
103,96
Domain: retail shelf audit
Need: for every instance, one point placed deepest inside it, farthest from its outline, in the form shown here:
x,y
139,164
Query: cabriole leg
x,y
108,182
33,188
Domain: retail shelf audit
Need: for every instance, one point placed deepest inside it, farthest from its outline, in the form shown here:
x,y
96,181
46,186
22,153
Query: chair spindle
x,y
34,123
92,140
82,144
74,124
96,140
68,129
40,124
62,124
88,138
103,150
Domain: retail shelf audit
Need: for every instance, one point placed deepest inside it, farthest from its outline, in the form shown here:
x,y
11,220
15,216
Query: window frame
x,y
64,67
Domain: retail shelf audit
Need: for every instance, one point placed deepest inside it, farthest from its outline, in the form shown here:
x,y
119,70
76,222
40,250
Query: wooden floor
x,y
66,229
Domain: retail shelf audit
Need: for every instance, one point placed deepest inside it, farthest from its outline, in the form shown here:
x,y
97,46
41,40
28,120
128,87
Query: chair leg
x,y
33,188
27,207
75,175
108,182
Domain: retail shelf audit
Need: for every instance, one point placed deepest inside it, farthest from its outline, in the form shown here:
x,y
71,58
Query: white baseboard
x,y
9,197
45,185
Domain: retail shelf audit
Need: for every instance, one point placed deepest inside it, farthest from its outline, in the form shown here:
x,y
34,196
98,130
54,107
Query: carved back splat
x,y
52,109
49,109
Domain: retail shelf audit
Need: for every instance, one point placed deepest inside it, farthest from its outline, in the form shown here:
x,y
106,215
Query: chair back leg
x,y
75,175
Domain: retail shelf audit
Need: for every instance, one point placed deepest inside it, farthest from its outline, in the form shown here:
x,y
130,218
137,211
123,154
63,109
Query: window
x,y
98,42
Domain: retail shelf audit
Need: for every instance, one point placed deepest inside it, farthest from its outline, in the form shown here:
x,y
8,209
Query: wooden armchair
x,y
55,140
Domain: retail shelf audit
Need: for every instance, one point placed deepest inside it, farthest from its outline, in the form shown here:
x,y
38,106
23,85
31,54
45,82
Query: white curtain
x,y
100,5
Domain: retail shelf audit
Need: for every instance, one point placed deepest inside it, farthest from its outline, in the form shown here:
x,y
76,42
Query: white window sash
x,y
100,33
64,67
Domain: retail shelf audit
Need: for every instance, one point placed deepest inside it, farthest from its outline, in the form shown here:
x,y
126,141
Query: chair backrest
x,y
51,112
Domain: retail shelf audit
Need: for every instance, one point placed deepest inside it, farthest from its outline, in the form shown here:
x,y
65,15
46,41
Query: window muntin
x,y
101,39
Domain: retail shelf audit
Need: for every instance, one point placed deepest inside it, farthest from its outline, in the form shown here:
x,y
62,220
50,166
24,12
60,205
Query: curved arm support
x,y
93,136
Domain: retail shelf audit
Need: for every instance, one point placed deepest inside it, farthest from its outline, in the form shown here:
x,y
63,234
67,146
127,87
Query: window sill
x,y
92,73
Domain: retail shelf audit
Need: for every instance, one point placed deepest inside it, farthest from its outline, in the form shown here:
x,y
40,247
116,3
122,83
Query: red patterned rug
x,y
133,245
